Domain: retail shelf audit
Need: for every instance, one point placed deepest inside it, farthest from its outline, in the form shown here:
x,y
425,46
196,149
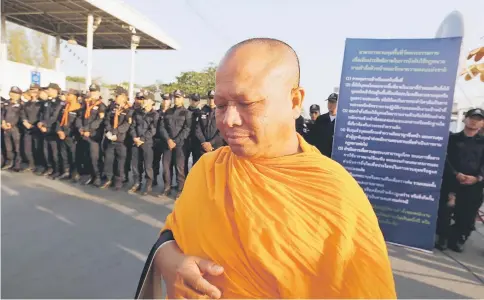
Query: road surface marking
x,y
57,216
135,253
9,191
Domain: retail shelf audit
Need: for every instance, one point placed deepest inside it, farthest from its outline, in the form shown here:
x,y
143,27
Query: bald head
x,y
275,58
258,97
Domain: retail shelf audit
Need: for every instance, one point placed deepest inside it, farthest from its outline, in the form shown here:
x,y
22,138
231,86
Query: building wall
x,y
17,74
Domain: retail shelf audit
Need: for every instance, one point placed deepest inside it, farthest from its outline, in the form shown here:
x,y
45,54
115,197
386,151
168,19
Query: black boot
x,y
48,172
441,243
135,188
64,175
106,184
75,177
7,166
147,190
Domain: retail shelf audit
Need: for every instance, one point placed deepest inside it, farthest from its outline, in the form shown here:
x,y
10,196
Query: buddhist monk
x,y
268,216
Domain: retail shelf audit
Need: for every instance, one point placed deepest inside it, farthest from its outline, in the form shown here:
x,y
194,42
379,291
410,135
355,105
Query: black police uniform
x,y
3,103
193,143
116,149
177,124
11,115
464,155
31,113
159,143
301,126
68,146
143,127
322,132
91,120
50,113
206,130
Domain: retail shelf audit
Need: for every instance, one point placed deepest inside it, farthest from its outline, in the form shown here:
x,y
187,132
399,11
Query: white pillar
x,y
131,76
3,52
89,46
57,53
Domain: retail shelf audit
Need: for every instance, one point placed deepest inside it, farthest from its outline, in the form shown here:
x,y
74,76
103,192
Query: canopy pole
x,y
89,46
131,75
57,53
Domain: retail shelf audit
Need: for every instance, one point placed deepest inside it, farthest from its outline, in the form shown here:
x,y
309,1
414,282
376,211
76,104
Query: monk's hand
x,y
183,275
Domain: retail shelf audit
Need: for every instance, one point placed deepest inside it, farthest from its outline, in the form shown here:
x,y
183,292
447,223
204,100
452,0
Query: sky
x,y
316,29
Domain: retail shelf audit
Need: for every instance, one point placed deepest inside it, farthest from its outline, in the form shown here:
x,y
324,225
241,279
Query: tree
x,y
19,46
45,57
193,82
76,79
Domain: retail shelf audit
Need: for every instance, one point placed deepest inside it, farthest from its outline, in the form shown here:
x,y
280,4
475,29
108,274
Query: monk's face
x,y
256,103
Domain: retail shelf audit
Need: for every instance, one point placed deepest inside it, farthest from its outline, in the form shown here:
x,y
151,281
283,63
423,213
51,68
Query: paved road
x,y
69,241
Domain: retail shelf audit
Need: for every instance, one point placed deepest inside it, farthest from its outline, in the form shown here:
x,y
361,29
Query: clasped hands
x,y
207,147
466,179
137,141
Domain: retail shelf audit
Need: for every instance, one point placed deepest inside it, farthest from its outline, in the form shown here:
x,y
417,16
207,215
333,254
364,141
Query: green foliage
x,y
76,79
45,56
19,46
20,49
193,82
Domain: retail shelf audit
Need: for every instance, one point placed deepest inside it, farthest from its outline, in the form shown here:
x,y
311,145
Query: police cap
x,y
34,86
120,91
94,88
475,112
140,95
177,93
165,96
211,94
73,92
54,86
195,97
16,90
333,97
314,108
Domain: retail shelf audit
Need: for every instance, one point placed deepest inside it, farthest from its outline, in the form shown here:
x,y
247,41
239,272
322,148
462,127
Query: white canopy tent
x,y
95,24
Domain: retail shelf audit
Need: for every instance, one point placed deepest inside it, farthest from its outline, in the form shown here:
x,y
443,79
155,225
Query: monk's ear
x,y
297,96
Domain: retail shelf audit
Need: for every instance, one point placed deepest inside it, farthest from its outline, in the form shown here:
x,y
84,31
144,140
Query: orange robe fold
x,y
291,227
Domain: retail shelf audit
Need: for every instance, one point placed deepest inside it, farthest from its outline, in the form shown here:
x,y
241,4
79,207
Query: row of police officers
x,y
64,135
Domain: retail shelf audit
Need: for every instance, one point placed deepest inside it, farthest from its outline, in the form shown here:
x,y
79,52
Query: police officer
x,y
30,116
47,126
314,113
91,129
3,103
208,135
193,143
178,121
143,129
160,144
463,181
117,123
10,121
69,135
137,107
322,132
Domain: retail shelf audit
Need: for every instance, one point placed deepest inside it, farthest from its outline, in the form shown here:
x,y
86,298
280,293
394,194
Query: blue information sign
x,y
392,129
35,77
